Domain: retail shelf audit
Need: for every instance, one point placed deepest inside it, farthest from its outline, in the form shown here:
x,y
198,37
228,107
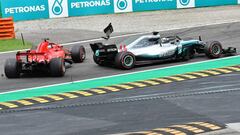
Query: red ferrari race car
x,y
47,57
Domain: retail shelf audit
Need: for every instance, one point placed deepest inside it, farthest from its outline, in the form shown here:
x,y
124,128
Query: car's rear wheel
x,y
12,68
186,54
78,54
192,53
57,67
213,49
125,60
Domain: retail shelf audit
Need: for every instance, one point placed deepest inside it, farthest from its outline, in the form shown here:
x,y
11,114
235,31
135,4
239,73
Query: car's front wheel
x,y
213,49
78,54
125,60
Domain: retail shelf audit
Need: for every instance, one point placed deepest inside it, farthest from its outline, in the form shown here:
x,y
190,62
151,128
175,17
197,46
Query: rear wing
x,y
20,55
102,50
102,47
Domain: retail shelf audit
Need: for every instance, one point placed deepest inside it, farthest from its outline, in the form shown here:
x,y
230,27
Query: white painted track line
x,y
234,126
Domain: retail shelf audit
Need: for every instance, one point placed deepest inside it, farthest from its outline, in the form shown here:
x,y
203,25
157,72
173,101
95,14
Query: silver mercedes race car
x,y
153,48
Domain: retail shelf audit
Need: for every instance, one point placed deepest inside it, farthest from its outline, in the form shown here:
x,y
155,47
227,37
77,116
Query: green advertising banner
x,y
204,3
143,5
25,9
86,7
37,9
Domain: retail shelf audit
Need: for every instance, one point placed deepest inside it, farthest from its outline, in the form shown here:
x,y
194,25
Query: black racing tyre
x,y
12,68
78,54
213,49
57,67
192,53
125,60
186,55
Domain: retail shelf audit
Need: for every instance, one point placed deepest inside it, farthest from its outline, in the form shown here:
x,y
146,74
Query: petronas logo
x,y
184,2
122,4
57,8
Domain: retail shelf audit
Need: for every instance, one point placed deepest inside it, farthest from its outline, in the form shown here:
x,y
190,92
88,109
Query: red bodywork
x,y
44,53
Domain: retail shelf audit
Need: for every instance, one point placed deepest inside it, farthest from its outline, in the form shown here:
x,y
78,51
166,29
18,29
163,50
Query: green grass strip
x,y
13,44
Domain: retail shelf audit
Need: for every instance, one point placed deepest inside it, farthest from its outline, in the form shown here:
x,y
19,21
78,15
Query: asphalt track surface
x,y
227,34
213,98
133,110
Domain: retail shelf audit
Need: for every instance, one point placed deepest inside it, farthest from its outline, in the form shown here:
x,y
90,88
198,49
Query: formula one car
x,y
47,57
154,48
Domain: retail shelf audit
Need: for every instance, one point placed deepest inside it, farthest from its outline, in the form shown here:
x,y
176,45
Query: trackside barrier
x,y
7,28
36,9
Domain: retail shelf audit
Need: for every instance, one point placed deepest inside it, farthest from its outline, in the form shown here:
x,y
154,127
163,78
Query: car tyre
x,y
187,55
213,49
125,60
78,54
57,67
12,68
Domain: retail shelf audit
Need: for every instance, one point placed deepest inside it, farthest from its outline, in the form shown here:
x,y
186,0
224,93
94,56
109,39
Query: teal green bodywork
x,y
185,44
189,43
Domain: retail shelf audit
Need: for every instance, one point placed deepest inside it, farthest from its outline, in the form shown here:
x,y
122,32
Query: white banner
x,y
58,8
185,3
123,6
